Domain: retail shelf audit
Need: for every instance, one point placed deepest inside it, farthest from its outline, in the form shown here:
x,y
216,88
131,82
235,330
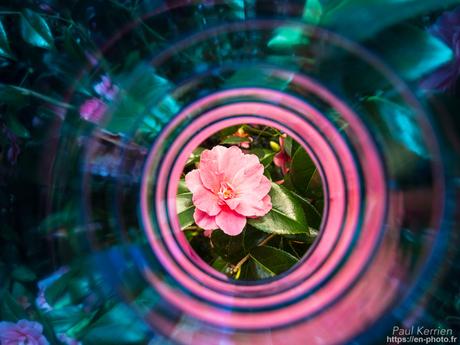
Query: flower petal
x,y
230,222
204,221
210,173
232,162
256,191
251,209
193,181
206,201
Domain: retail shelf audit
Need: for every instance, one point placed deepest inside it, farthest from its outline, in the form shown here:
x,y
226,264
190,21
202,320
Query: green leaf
x,y
23,274
16,127
5,49
273,259
238,8
57,294
144,100
253,270
182,187
234,140
312,12
73,44
313,215
66,218
252,238
302,169
265,156
361,19
195,156
120,325
401,121
185,209
127,111
65,318
223,133
221,265
251,76
290,146
286,215
35,30
413,53
10,310
230,248
288,37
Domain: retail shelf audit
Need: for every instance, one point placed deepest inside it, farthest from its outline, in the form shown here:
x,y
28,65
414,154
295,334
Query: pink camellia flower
x,y
22,332
228,187
447,28
93,110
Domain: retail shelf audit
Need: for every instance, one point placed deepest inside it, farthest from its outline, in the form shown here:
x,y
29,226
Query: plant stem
x,y
263,132
9,13
27,92
246,258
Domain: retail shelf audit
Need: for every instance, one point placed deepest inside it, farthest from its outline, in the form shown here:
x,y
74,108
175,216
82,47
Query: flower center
x,y
226,191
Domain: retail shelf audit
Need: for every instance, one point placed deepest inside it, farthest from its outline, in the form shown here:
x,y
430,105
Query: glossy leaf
x,y
287,37
361,19
315,190
234,140
252,238
65,318
57,293
302,169
16,127
185,209
5,49
265,155
312,213
286,215
290,146
35,30
142,87
120,325
312,12
203,248
23,274
251,76
10,310
230,248
414,52
273,259
253,270
228,131
401,122
182,187
195,156
221,265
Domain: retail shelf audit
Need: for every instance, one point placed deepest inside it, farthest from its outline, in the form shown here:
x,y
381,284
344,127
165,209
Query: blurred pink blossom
x,y
68,340
22,332
93,110
228,187
43,284
447,28
105,88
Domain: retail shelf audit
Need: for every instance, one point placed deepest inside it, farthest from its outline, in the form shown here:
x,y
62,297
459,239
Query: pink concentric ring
x,y
190,274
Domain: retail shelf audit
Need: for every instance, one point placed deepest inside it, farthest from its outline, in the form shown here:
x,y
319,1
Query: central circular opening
x,y
250,201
